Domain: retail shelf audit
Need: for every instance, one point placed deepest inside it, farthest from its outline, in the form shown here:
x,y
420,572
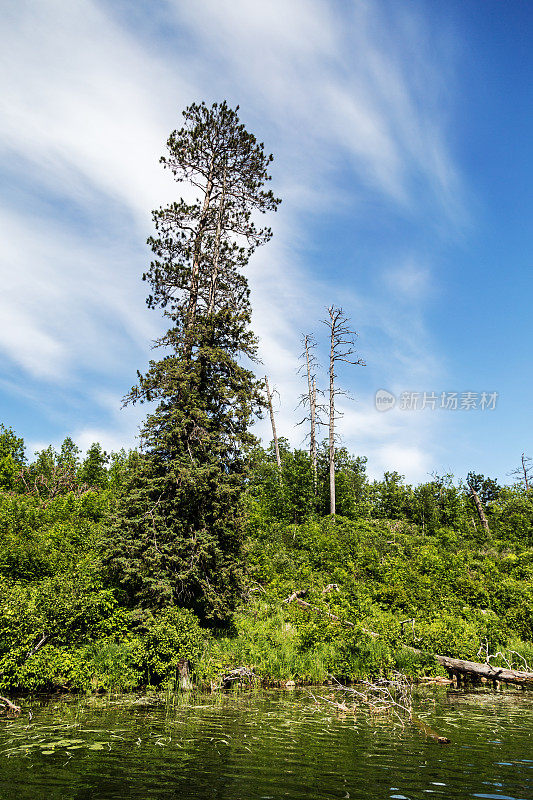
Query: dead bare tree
x,y
60,480
273,423
341,349
309,400
523,472
479,508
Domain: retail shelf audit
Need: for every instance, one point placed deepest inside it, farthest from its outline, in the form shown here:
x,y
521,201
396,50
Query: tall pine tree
x,y
178,530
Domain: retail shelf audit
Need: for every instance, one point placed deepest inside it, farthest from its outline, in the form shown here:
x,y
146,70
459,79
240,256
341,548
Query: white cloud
x,y
398,440
334,84
81,103
411,281
68,303
410,460
344,97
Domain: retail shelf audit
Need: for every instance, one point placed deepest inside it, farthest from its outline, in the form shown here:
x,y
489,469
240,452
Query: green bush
x,y
39,539
174,634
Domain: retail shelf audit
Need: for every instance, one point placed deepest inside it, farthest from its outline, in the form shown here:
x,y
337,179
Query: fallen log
x,y
454,666
457,666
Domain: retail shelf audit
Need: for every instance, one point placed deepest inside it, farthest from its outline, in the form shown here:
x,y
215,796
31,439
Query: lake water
x,y
266,746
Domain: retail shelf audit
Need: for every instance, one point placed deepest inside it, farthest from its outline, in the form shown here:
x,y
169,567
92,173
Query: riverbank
x,y
354,597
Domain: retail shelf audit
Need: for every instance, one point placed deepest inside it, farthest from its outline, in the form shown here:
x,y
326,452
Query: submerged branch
x,y
10,707
379,697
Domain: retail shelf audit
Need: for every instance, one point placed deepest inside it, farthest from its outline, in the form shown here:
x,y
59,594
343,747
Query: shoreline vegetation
x,y
406,573
116,570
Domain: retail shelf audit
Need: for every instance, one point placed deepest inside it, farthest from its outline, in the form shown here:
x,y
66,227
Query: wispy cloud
x,y
346,85
68,303
345,97
81,103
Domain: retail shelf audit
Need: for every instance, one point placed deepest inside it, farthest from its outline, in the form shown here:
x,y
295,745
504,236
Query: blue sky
x,y
402,139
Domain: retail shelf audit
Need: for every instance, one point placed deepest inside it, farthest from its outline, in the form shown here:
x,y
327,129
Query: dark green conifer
x,y
93,470
178,532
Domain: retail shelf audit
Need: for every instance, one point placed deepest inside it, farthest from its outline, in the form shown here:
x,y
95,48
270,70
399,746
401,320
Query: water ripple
x,y
266,747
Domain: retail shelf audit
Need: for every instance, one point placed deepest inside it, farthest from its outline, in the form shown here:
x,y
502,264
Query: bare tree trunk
x,y
313,436
193,294
332,420
524,468
214,274
479,508
311,386
341,348
184,675
273,423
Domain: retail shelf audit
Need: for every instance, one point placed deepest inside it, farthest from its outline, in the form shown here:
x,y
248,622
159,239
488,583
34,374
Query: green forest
x,y
203,546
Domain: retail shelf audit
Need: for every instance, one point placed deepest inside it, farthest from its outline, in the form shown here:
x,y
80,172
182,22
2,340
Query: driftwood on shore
x,y
472,669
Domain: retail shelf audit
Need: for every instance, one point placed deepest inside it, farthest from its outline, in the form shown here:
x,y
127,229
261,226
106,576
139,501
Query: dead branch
x,y
10,707
479,508
382,696
295,597
37,647
410,622
524,471
61,480
273,423
241,675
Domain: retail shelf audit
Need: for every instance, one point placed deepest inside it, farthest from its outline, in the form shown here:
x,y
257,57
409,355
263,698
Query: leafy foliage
x,y
399,553
115,567
12,457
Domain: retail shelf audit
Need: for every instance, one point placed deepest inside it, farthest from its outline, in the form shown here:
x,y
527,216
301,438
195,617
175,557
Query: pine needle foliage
x,y
179,525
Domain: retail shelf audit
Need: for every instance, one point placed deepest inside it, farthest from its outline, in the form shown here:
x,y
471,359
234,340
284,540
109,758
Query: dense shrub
x,y
172,635
408,567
